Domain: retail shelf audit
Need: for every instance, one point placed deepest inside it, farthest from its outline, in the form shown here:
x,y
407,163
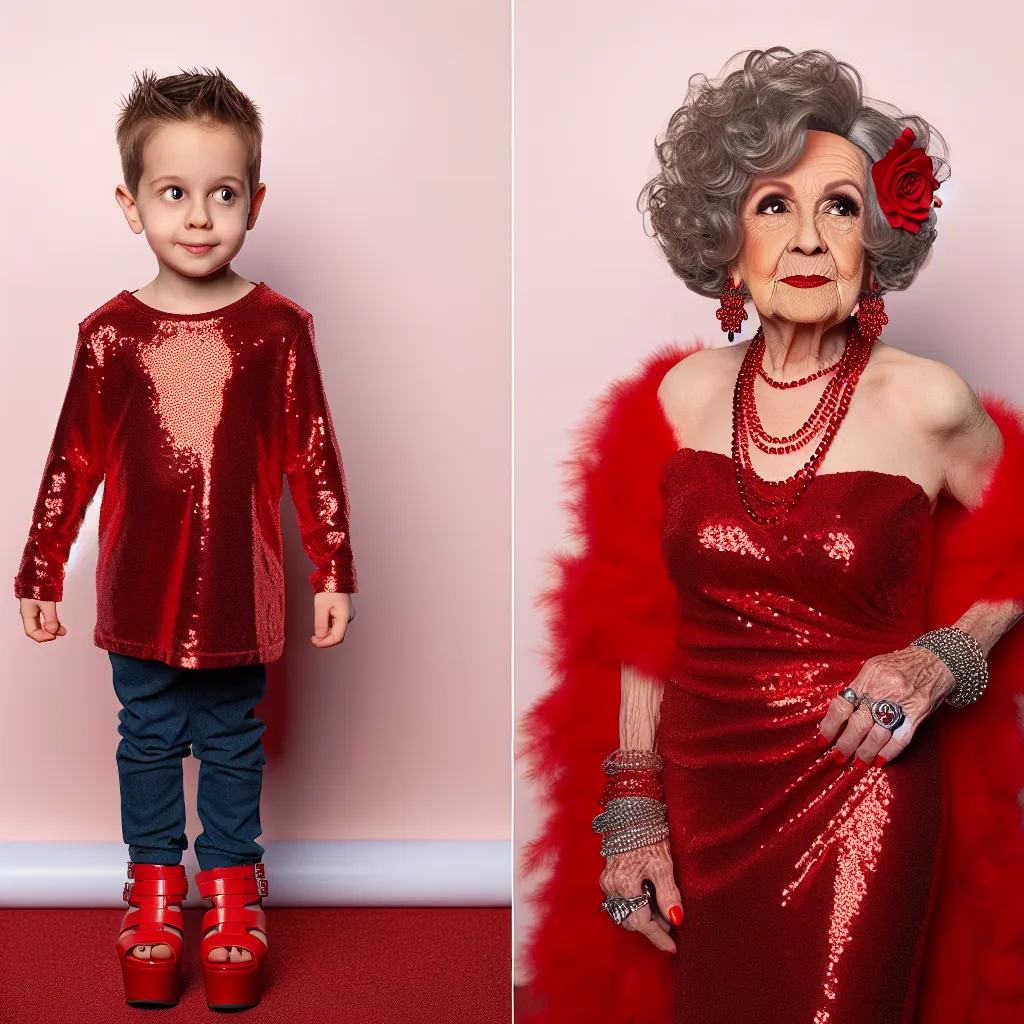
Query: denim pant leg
x,y
226,738
154,730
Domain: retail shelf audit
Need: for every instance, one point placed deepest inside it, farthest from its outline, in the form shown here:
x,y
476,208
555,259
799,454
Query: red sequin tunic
x,y
191,421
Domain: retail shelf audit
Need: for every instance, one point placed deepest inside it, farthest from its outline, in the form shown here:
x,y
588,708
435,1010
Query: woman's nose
x,y
807,239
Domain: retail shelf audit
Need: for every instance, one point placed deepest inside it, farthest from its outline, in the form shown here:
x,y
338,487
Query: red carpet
x,y
388,966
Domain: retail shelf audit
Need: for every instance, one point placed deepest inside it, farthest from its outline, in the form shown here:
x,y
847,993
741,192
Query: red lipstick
x,y
802,281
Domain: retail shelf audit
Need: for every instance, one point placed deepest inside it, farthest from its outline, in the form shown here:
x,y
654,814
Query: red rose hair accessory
x,y
904,183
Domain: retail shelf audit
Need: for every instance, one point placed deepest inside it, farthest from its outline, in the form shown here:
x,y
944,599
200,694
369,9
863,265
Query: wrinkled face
x,y
803,251
194,193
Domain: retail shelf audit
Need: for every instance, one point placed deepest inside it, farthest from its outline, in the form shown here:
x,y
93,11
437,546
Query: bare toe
x,y
161,951
142,952
218,955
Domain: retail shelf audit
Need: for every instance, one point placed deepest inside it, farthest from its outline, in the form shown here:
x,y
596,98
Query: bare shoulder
x,y
697,381
936,397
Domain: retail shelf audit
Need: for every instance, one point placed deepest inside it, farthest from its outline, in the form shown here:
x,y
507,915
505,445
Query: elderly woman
x,y
800,551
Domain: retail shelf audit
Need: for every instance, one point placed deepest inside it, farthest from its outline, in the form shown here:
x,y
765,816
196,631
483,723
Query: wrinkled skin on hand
x,y
914,678
624,875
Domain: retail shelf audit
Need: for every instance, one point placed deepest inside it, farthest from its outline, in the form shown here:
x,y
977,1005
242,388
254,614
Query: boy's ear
x,y
131,212
254,206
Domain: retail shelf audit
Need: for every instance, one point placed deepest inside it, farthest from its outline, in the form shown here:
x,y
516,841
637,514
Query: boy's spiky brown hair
x,y
193,95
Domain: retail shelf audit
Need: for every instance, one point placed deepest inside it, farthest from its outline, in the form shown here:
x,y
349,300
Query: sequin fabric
x,y
806,884
192,422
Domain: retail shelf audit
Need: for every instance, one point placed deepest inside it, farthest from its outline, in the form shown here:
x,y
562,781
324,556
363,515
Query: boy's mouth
x,y
197,250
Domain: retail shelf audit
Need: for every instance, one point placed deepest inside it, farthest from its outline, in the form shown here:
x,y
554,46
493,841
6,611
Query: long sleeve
x,y
313,467
74,469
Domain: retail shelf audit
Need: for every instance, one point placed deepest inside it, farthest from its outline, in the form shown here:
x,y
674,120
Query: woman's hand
x,y
624,875
914,678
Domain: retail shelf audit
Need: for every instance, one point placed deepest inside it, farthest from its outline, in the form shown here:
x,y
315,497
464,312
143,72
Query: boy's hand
x,y
40,620
331,615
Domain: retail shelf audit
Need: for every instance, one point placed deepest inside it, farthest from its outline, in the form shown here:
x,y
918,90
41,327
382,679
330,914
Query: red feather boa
x,y
613,604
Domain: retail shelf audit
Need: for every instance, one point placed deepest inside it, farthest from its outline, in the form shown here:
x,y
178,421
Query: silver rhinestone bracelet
x,y
964,657
631,761
632,839
630,812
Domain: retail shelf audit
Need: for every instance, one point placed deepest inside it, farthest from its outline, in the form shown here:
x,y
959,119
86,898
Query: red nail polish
x,y
675,914
879,761
823,741
839,755
858,763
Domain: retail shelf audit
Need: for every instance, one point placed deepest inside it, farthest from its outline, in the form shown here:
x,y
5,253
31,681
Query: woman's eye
x,y
842,206
225,195
174,189
772,205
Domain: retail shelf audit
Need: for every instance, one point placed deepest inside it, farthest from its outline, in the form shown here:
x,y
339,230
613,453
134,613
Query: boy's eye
x,y
176,191
225,195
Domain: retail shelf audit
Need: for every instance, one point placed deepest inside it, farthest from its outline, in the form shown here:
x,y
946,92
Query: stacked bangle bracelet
x,y
634,814
964,657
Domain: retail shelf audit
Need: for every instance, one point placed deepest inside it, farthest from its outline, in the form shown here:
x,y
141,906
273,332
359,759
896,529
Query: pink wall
x,y
594,84
387,164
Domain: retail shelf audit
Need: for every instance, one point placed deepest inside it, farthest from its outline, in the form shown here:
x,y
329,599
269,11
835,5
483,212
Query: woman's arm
x,y
989,621
969,447
624,873
639,710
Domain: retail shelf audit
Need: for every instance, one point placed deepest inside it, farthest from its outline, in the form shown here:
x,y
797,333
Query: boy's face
x,y
193,197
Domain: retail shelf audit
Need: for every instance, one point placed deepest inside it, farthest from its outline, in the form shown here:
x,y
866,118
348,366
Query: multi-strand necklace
x,y
771,501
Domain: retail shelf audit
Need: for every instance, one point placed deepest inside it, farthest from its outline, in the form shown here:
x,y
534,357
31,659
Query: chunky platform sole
x,y
231,988
149,985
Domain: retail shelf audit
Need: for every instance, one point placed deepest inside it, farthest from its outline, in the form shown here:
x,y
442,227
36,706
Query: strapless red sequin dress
x,y
806,884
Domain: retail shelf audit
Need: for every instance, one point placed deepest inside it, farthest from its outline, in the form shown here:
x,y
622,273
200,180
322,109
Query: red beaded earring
x,y
731,313
871,317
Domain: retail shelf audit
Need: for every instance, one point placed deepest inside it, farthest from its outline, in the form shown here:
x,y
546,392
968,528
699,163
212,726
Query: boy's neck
x,y
172,292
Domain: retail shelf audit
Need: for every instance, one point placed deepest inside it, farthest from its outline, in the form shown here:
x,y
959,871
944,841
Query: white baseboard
x,y
348,873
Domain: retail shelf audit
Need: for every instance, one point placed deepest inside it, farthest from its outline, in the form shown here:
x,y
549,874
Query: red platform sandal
x,y
238,985
154,893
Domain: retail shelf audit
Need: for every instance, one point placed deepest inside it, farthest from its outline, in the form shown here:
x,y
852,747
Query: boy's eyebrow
x,y
174,177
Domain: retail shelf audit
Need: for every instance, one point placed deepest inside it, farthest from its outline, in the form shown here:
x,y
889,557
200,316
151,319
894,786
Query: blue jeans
x,y
168,712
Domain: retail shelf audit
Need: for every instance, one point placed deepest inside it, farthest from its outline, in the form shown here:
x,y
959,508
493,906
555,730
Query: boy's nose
x,y
198,216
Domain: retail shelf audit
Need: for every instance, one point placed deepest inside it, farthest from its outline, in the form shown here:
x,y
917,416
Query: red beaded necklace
x,y
771,501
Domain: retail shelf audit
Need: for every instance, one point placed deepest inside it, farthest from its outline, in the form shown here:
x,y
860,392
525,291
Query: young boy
x,y
192,397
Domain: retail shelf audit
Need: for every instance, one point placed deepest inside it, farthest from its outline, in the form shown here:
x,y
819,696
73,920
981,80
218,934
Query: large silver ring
x,y
620,907
887,713
850,694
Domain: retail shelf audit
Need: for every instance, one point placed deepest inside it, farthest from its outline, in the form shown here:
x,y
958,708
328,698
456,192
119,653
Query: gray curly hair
x,y
753,121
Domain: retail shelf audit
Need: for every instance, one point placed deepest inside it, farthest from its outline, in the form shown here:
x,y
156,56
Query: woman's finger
x,y
897,742
670,903
858,725
878,737
641,921
839,711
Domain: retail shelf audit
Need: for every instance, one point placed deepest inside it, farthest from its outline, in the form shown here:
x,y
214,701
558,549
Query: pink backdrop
x,y
594,83
387,164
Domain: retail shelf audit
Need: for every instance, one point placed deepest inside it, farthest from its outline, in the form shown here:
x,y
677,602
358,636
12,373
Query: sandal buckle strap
x,y
127,894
